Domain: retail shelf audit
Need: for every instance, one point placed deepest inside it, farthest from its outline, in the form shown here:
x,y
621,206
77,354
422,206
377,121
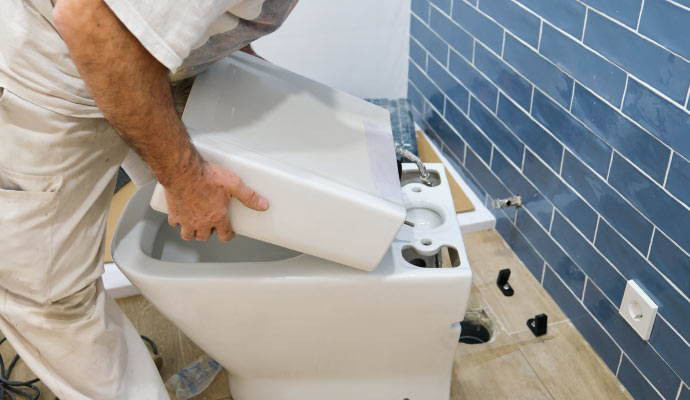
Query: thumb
x,y
247,195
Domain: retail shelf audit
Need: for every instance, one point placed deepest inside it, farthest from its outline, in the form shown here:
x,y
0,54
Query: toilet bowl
x,y
291,326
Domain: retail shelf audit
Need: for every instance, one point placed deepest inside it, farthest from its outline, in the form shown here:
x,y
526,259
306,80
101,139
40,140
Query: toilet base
x,y
402,388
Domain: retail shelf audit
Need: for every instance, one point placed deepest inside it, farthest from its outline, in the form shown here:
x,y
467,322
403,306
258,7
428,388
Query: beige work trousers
x,y
57,175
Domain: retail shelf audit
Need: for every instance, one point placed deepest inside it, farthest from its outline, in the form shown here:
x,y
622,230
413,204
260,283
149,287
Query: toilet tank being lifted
x,y
325,160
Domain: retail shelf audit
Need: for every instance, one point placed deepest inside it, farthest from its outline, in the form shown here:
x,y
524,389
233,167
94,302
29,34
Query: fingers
x,y
203,234
186,233
246,195
224,231
172,221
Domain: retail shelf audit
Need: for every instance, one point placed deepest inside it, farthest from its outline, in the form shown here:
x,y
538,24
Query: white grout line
x,y
584,26
491,156
543,270
584,289
596,230
560,169
680,389
503,44
668,169
541,29
619,363
447,66
608,171
625,91
572,98
553,216
474,46
531,100
687,96
524,155
495,111
645,378
651,240
639,17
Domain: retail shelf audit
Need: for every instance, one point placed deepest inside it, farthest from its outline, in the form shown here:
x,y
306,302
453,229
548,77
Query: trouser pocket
x,y
28,205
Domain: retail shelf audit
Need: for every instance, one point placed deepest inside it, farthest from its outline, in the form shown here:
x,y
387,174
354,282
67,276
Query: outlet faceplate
x,y
638,309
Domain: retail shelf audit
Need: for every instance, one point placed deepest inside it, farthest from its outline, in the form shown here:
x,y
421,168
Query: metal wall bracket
x,y
538,324
514,201
502,282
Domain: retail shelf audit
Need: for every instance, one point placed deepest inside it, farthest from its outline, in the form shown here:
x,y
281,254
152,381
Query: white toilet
x,y
290,326
325,295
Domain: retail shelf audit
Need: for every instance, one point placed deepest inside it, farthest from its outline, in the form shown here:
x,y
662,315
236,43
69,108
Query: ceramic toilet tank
x,y
292,324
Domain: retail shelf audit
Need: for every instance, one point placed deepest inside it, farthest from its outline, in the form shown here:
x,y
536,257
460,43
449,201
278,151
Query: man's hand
x,y
200,203
132,90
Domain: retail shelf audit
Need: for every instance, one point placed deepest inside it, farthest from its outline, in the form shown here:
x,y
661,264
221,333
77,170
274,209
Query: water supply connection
x,y
424,175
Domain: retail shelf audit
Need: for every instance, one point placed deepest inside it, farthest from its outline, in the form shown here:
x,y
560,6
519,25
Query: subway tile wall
x,y
581,107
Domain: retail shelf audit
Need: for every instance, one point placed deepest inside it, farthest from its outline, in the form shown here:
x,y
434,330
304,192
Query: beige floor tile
x,y
493,371
568,366
488,254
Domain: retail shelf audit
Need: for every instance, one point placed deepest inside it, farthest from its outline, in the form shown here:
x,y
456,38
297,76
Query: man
x,y
83,81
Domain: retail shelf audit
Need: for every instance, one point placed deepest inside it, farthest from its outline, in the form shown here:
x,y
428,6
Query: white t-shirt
x,y
185,36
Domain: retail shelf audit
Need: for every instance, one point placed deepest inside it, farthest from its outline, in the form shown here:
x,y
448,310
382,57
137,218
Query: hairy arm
x,y
132,90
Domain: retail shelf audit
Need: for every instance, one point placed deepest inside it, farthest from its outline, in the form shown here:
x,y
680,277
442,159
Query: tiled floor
x,y
514,365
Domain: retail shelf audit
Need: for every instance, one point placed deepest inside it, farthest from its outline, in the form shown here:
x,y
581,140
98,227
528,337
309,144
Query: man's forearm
x,y
129,86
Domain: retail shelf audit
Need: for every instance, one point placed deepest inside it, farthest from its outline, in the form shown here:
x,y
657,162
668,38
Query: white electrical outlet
x,y
638,309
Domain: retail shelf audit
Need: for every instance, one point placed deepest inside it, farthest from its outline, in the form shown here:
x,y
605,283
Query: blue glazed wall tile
x,y
570,273
567,202
447,135
638,387
474,139
593,71
671,261
649,62
588,327
416,98
538,70
425,86
483,175
448,84
520,246
587,258
429,40
475,82
514,18
639,351
492,128
421,9
457,38
566,14
674,30
481,27
532,200
625,11
534,136
632,265
464,173
503,75
417,53
443,5
660,117
572,133
640,147
608,203
666,213
678,181
672,348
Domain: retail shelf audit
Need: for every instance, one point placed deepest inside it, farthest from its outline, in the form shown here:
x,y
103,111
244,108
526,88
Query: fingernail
x,y
263,204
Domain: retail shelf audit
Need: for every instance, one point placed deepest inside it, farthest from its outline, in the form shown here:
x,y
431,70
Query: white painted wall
x,y
359,46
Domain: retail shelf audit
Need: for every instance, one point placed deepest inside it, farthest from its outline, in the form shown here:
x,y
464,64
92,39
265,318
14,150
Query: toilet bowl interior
x,y
169,246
